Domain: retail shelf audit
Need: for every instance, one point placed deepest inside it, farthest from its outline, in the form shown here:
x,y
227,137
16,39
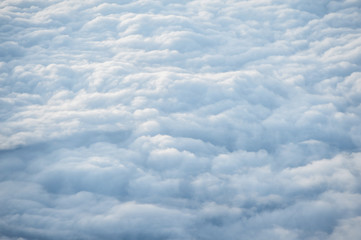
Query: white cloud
x,y
168,120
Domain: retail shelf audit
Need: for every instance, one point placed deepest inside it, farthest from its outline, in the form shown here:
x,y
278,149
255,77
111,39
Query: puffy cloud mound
x,y
180,119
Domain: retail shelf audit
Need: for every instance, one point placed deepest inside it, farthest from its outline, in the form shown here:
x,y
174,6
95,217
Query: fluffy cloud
x,y
168,120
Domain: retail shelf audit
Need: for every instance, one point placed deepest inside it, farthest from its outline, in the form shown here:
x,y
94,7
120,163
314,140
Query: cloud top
x,y
168,120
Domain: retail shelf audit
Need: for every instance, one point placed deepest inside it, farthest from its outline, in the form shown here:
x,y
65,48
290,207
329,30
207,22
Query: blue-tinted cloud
x,y
169,120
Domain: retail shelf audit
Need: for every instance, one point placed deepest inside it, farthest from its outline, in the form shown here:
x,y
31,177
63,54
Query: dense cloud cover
x,y
180,119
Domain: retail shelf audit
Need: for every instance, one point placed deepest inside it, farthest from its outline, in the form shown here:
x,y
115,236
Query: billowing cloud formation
x,y
180,120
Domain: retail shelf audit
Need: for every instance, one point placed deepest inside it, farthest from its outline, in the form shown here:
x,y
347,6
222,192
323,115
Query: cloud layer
x,y
168,120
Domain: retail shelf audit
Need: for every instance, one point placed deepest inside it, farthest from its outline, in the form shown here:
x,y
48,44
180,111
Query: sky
x,y
170,120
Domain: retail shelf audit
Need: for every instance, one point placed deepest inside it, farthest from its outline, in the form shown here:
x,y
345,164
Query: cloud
x,y
168,120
